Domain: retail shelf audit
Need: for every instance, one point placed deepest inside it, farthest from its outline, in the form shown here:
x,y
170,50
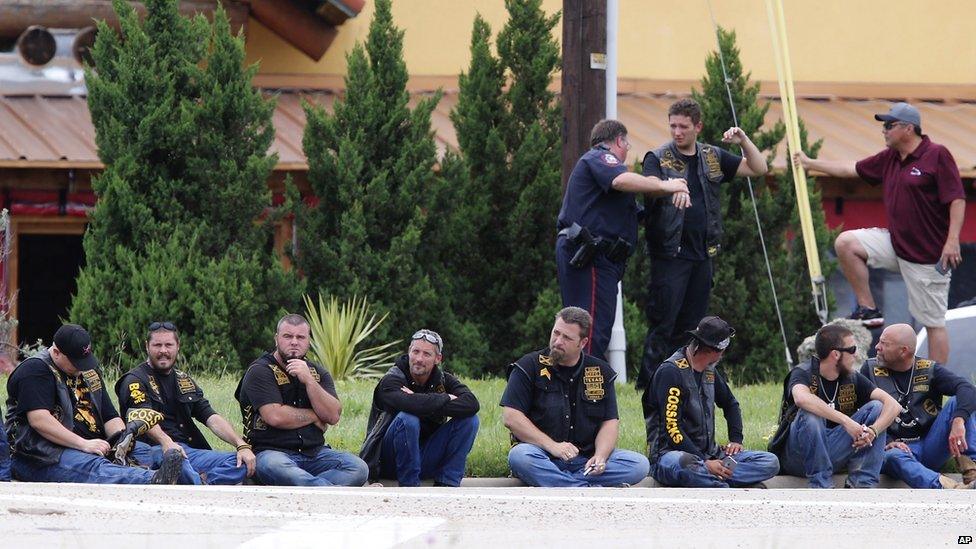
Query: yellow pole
x,y
777,24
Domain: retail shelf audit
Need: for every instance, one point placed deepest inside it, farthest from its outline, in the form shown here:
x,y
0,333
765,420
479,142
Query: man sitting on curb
x,y
681,427
561,408
925,433
832,416
409,436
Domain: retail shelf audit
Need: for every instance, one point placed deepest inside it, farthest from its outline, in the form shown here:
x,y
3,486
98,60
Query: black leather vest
x,y
665,222
919,406
697,419
28,443
188,392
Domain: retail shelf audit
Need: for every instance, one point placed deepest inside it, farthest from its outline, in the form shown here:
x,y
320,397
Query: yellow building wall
x,y
883,41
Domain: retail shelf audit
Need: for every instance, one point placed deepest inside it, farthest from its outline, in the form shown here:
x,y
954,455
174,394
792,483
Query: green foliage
x,y
174,234
371,163
338,329
741,293
497,236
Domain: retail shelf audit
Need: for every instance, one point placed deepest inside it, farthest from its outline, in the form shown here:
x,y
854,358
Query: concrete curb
x,y
775,483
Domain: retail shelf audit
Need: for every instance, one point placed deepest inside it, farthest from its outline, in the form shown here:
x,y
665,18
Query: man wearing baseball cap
x,y
679,410
60,418
925,203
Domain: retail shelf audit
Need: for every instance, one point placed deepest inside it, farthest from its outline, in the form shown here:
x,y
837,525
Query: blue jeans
x,y
682,469
218,467
920,469
535,467
441,457
814,451
4,454
327,468
77,466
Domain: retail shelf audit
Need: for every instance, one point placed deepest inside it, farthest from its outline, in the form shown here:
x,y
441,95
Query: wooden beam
x,y
583,87
17,15
297,26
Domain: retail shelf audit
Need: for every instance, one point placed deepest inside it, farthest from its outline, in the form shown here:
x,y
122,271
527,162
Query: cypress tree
x,y
175,234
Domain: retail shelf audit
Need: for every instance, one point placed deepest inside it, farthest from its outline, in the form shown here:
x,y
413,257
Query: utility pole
x,y
584,76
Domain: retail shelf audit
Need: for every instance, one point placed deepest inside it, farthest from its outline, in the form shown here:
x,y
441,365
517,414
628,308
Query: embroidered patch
x,y
545,373
669,161
712,251
671,415
92,380
922,364
610,159
924,378
281,378
847,398
929,406
709,377
152,384
185,384
593,380
546,360
922,388
147,416
136,393
682,363
881,372
712,163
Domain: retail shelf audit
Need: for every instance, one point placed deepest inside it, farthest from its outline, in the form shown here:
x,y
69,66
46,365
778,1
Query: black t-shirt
x,y
693,232
829,391
35,388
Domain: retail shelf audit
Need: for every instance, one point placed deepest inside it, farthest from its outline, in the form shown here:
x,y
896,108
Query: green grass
x,y
760,405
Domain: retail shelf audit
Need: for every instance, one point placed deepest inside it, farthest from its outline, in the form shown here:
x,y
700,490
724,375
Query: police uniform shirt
x,y
592,202
559,389
175,420
828,391
693,229
668,384
35,388
263,385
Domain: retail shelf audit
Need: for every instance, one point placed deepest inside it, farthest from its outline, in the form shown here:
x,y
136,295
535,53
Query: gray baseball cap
x,y
901,112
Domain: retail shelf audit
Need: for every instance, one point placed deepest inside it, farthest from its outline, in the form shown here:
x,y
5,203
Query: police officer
x,y
682,243
681,424
158,385
832,417
598,227
925,434
287,403
561,408
60,420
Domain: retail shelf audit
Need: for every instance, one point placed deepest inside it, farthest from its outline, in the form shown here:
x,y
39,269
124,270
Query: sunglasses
x,y
429,336
852,349
888,125
165,325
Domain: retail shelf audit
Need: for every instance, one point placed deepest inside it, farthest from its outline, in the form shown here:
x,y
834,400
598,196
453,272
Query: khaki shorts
x,y
928,290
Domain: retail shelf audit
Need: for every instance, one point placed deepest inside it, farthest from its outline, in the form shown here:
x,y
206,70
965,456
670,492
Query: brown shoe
x,y
967,468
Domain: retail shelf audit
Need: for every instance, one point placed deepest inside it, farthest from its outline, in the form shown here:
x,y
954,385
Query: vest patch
x,y
593,379
712,164
92,380
929,406
669,161
185,384
546,360
924,378
881,372
924,388
922,364
682,363
847,398
281,378
136,393
671,415
709,377
155,388
545,373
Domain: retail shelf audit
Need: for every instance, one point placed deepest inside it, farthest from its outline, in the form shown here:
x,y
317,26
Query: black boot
x,y
169,469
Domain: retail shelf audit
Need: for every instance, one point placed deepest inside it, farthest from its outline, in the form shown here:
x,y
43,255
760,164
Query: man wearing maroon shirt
x,y
925,203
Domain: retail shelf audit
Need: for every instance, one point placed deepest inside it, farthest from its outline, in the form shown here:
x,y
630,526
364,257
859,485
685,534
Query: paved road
x,y
71,515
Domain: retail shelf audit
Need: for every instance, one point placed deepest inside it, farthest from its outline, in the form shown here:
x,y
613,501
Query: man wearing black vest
x,y
682,243
832,417
60,420
926,433
287,403
561,408
597,227
423,420
158,385
681,425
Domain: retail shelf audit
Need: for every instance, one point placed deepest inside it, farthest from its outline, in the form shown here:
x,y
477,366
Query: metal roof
x,y
55,131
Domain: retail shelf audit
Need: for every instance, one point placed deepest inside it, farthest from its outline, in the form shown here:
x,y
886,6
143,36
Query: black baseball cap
x,y
74,342
714,332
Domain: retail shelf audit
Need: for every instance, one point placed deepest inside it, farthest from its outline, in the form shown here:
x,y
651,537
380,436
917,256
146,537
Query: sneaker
x,y
870,318
169,470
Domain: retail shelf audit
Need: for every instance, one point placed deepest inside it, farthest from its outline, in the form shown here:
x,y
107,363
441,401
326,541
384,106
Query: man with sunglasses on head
x,y
680,414
832,417
60,421
423,420
597,227
926,433
287,403
561,406
157,384
925,204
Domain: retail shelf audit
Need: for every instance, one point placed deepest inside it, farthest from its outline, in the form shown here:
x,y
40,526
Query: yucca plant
x,y
338,329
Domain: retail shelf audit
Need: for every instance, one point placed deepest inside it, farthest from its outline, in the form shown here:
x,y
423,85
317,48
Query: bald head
x,y
902,335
